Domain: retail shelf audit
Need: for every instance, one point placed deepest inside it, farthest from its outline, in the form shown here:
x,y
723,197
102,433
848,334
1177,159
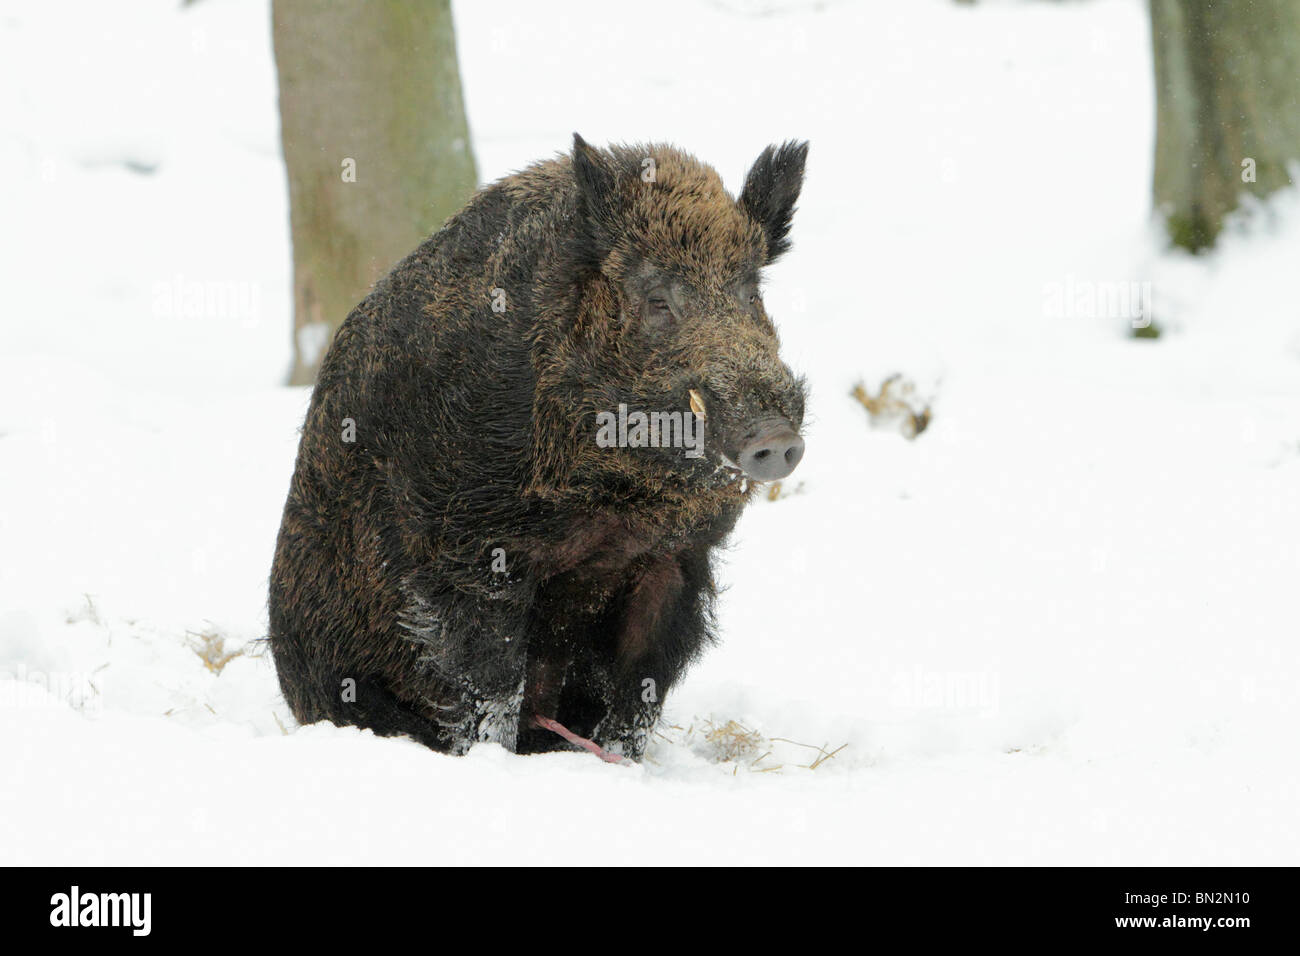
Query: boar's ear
x,y
594,176
596,190
771,189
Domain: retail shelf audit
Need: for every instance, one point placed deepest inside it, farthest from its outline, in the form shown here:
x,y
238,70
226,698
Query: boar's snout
x,y
770,450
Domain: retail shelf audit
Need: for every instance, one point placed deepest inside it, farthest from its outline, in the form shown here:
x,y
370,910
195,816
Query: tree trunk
x,y
376,146
1227,108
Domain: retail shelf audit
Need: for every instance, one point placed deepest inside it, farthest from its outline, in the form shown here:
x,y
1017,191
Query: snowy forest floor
x,y
1057,627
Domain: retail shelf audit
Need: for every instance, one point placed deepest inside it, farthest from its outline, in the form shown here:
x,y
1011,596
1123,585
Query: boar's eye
x,y
749,295
659,312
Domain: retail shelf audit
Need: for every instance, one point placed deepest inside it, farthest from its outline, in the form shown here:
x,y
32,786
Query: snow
x,y
1058,627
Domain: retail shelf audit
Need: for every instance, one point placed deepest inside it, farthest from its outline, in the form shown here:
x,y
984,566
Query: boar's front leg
x,y
545,672
627,729
663,626
540,729
599,683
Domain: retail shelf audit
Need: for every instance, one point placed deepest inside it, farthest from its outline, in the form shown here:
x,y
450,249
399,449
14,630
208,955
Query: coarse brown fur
x,y
473,556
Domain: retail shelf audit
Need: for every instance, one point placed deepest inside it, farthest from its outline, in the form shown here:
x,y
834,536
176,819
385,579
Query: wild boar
x,y
523,447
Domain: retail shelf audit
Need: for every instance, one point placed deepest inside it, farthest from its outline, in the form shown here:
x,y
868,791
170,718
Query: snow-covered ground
x,y
1058,627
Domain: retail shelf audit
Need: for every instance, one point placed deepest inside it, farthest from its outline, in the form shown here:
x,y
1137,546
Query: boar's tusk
x,y
697,403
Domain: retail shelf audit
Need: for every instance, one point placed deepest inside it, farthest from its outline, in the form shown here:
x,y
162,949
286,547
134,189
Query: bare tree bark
x,y
376,146
1227,108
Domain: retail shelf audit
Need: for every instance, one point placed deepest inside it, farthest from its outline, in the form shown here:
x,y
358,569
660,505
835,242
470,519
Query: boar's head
x,y
671,318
